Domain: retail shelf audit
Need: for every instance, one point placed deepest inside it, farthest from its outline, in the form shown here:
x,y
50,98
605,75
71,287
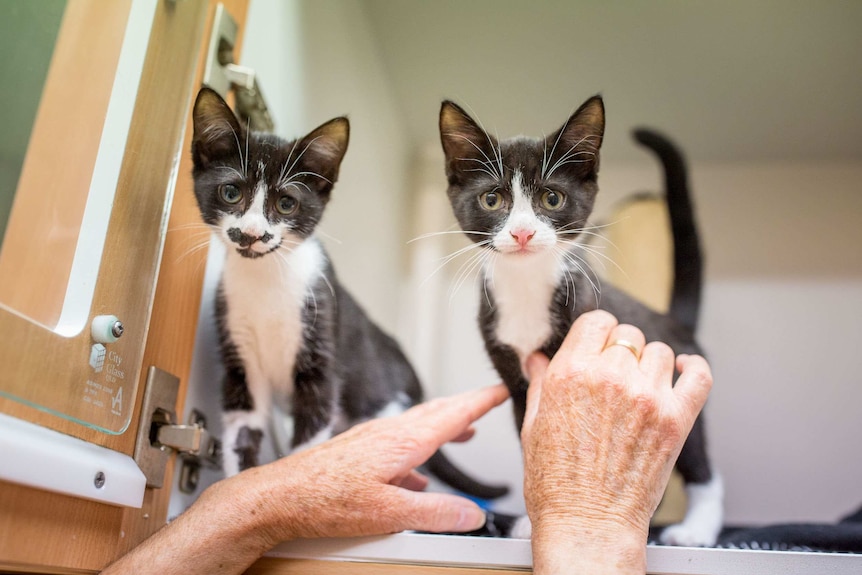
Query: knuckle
x,y
671,430
608,376
646,405
703,379
602,316
409,443
660,349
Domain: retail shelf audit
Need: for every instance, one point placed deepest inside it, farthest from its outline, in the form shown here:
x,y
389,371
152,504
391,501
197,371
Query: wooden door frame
x,y
42,532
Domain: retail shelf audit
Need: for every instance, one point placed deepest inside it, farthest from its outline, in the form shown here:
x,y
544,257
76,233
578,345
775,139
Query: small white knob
x,y
106,328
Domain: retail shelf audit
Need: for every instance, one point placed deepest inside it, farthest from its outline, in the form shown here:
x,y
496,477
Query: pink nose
x,y
523,236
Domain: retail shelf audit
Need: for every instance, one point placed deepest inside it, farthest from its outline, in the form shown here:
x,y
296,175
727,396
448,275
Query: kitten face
x,y
261,192
522,196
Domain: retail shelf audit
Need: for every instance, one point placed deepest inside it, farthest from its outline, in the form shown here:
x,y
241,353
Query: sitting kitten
x,y
528,200
288,330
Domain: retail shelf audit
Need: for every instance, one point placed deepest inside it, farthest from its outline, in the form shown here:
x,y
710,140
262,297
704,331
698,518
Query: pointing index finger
x,y
442,420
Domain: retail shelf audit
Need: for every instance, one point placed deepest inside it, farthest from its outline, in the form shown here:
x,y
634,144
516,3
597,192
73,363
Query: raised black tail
x,y
688,258
444,470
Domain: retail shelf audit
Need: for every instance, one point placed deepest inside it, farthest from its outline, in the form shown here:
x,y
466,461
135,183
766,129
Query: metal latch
x,y
197,448
190,439
159,435
221,73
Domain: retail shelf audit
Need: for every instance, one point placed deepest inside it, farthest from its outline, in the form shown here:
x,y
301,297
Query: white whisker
x,y
329,285
247,131
232,169
484,155
330,237
435,234
296,185
282,183
489,276
192,226
570,153
285,273
576,262
452,256
596,252
465,271
302,153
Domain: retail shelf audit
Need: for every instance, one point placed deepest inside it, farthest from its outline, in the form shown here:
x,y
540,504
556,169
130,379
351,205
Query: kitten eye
x,y
552,200
230,193
491,201
286,205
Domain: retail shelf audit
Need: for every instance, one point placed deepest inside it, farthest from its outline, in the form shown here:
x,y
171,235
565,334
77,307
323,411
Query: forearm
x,y
569,550
222,533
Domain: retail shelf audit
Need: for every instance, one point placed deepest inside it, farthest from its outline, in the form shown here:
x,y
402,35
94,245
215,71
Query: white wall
x,y
316,61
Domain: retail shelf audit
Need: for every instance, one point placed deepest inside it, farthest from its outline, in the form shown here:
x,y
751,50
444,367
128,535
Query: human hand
x,y
358,483
602,431
363,482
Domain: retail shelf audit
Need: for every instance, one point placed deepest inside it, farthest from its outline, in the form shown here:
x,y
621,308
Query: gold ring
x,y
628,345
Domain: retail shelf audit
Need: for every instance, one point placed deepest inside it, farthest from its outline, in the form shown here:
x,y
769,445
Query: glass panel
x,y
63,153
28,32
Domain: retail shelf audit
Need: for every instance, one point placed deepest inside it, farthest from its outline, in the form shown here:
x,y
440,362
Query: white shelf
x,y
493,553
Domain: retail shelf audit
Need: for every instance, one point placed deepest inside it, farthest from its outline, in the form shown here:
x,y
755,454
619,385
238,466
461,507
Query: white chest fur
x,y
265,298
523,287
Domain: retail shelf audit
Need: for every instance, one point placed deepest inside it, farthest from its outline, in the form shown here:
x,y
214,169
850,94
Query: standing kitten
x,y
527,200
289,332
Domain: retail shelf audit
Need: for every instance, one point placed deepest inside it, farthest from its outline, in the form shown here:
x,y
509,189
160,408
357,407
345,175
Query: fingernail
x,y
471,519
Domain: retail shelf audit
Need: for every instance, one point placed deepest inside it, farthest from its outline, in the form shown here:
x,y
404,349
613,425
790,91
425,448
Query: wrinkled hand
x,y
602,432
358,483
364,482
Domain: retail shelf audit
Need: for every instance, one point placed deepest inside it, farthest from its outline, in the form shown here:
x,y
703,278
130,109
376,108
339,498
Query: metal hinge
x,y
159,435
222,74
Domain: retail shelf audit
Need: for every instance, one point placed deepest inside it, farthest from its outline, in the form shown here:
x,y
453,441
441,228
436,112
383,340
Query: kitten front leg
x,y
314,410
244,417
508,365
314,396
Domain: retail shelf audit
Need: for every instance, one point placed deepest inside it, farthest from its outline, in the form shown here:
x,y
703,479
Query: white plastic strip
x,y
37,457
106,172
496,553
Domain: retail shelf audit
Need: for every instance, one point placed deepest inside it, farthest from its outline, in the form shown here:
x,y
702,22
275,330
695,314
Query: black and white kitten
x,y
289,332
528,200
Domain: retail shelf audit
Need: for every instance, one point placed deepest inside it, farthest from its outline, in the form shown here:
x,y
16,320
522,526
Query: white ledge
x,y
37,457
494,553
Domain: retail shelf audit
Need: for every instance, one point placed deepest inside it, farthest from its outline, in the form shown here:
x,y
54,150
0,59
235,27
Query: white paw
x,y
686,535
703,518
521,529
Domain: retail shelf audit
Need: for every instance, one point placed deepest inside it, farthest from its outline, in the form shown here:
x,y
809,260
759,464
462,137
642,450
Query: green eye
x,y
230,194
491,201
286,205
552,200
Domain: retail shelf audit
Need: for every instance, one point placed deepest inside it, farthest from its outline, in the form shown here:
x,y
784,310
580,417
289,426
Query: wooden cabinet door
x,y
145,271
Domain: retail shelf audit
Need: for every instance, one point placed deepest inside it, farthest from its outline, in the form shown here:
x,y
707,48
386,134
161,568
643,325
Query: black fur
x,y
688,259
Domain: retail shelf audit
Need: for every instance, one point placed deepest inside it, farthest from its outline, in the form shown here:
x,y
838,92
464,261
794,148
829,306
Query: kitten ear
x,y
575,146
216,129
322,151
466,145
